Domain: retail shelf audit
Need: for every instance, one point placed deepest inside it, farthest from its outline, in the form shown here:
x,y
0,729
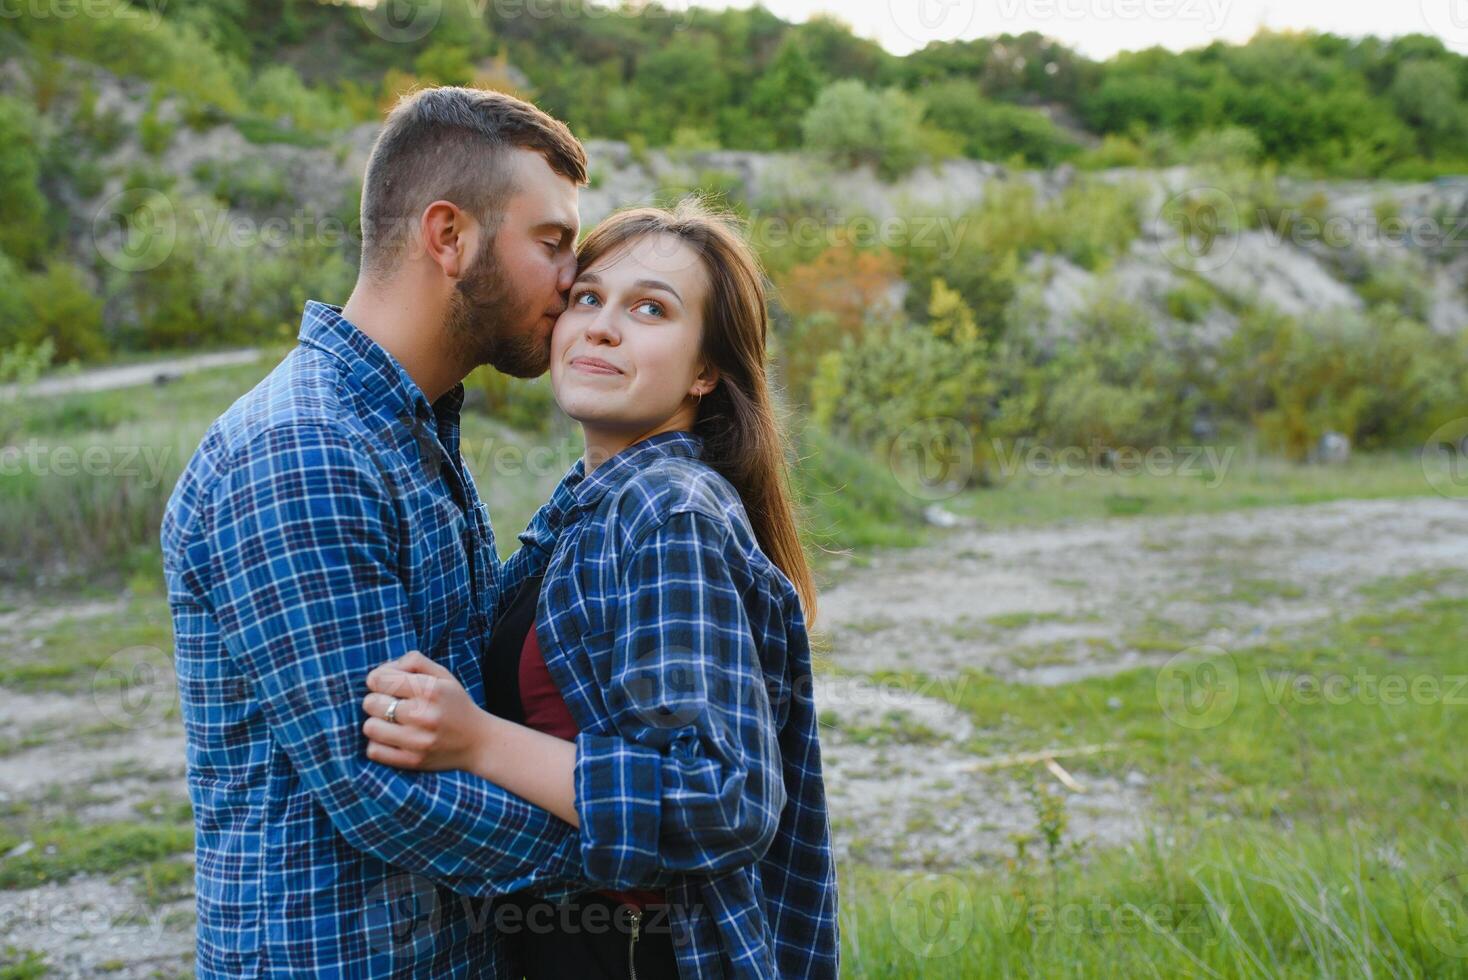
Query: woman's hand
x,y
436,724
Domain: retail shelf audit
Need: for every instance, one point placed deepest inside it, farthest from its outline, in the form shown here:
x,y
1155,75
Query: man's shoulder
x,y
302,403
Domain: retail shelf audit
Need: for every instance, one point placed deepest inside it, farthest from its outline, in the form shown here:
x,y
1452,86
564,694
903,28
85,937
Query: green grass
x,y
21,964
1307,822
71,652
1242,484
65,849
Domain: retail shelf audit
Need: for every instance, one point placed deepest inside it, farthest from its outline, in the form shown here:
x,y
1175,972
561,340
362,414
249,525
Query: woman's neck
x,y
604,443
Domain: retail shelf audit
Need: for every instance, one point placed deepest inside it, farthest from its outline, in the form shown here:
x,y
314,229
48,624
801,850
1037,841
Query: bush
x,y
1380,378
1113,385
525,404
854,125
23,231
61,309
995,130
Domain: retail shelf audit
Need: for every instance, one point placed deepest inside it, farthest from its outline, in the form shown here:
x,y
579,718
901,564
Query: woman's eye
x,y
655,309
585,299
552,247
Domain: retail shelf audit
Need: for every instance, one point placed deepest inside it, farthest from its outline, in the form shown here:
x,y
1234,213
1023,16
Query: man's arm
x,y
300,536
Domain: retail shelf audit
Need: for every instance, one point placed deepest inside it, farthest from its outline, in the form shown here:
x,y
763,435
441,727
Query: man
x,y
325,525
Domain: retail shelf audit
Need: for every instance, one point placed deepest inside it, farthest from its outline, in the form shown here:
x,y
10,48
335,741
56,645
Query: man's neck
x,y
409,331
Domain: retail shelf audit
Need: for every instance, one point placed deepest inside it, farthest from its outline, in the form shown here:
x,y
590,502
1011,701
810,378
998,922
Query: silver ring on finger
x,y
392,710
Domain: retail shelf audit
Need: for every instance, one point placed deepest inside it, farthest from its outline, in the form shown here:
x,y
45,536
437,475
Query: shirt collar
x,y
589,490
375,370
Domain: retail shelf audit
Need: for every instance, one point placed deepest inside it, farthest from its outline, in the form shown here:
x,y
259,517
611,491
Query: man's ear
x,y
445,230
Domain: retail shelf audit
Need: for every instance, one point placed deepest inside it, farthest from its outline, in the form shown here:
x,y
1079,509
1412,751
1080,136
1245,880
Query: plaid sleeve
x,y
692,781
306,598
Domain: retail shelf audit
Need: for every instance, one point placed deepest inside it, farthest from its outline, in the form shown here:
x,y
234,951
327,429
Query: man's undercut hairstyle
x,y
450,144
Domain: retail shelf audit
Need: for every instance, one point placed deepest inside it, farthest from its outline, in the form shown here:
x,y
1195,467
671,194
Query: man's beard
x,y
486,318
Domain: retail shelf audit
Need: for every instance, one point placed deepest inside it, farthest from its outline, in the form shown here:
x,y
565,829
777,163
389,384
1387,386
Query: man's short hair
x,y
449,144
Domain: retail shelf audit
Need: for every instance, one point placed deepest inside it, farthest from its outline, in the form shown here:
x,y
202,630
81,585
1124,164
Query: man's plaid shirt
x,y
324,526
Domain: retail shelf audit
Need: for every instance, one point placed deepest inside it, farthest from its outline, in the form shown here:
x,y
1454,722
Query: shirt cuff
x,y
619,803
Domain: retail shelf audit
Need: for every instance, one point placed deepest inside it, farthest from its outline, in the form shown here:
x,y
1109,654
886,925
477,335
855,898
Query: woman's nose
x,y
603,327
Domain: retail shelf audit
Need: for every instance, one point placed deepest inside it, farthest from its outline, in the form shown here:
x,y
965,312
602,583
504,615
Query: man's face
x,y
506,306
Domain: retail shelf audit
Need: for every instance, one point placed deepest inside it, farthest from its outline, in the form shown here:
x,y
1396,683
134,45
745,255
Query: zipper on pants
x,y
634,919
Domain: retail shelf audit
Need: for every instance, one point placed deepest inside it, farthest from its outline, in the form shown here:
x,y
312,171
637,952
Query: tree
x,y
853,125
23,230
785,92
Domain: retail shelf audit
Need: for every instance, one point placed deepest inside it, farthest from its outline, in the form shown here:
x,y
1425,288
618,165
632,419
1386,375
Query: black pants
x,y
590,936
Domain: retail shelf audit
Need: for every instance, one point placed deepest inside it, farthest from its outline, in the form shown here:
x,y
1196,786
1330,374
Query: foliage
x,y
855,125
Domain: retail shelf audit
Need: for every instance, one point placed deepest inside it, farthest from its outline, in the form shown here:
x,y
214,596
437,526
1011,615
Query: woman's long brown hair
x,y
742,436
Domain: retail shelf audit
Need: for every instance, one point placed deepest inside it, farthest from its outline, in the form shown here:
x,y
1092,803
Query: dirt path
x,y
130,375
1043,606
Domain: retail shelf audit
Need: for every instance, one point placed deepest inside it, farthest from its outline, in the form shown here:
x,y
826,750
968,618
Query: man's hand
x,y
435,726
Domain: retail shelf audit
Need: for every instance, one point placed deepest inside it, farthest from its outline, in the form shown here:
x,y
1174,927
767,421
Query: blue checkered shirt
x,y
682,654
325,525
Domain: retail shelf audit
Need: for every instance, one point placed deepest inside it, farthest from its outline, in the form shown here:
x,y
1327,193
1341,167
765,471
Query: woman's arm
x,y
438,726
692,779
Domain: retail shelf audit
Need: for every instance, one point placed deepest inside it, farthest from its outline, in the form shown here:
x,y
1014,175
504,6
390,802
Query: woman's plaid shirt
x,y
682,653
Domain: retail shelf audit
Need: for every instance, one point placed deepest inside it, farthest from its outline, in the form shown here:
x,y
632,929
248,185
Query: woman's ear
x,y
707,381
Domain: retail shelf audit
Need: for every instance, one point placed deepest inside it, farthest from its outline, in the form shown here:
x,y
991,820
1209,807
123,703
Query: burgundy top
x,y
546,711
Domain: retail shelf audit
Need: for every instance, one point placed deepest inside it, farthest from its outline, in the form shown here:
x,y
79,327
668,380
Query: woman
x,y
652,684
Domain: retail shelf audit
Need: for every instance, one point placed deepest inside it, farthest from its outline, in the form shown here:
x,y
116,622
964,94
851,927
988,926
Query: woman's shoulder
x,y
679,485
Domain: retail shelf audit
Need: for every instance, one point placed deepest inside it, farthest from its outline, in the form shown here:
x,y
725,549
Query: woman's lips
x,y
592,365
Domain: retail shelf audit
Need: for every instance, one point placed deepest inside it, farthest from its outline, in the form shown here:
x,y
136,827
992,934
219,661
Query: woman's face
x,y
626,354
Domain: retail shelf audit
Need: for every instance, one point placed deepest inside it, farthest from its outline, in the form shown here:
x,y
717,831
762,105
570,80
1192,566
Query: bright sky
x,y
1100,28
